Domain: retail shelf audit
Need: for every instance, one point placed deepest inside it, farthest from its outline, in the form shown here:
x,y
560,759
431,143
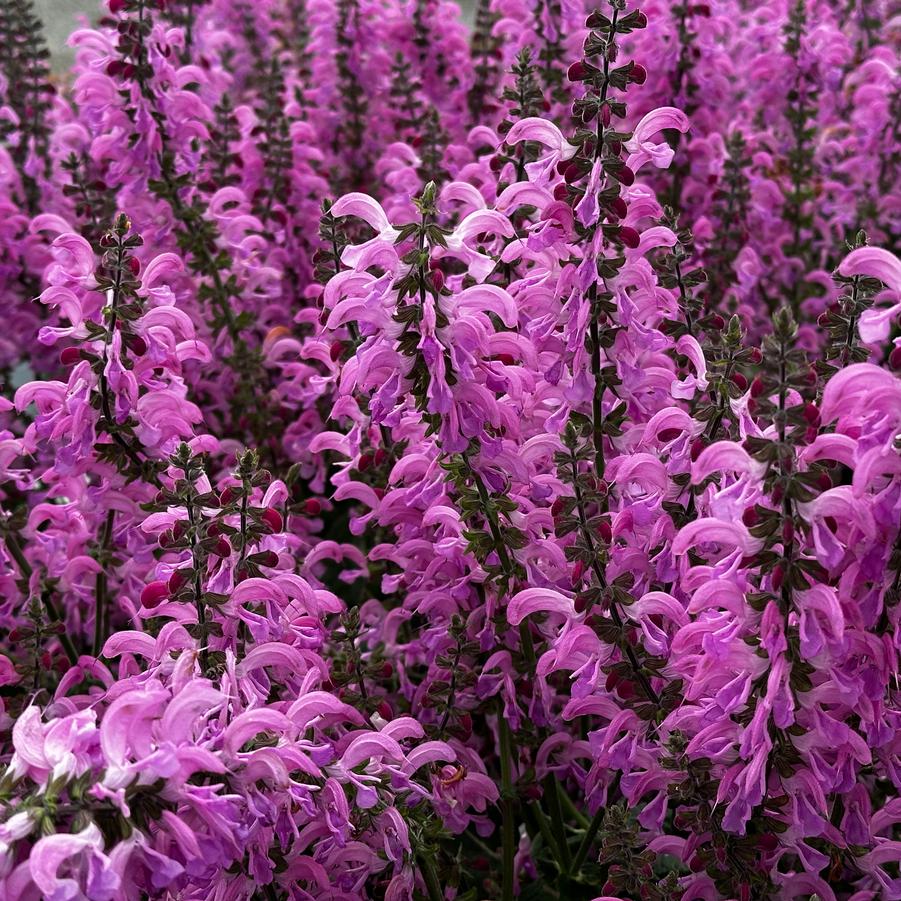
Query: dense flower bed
x,y
451,464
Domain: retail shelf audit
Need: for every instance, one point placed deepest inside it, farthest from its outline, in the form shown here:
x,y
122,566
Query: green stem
x,y
587,839
430,877
559,827
508,808
571,808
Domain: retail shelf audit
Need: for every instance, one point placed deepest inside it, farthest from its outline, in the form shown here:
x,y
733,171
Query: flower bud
x,y
365,462
629,237
778,577
638,74
312,507
577,71
137,345
618,205
177,581
336,350
894,358
750,517
272,518
757,386
154,594
229,495
69,356
739,381
625,176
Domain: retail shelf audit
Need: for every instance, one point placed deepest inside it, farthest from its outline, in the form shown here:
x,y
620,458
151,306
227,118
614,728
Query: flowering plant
x,y
451,464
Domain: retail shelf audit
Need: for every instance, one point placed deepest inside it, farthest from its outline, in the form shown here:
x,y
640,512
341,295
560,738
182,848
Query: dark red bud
x,y
578,573
116,6
365,462
69,356
627,177
177,581
894,358
757,387
577,71
739,381
717,322
272,518
222,548
767,841
750,517
336,350
384,710
572,173
696,447
641,20
381,456
312,507
605,530
561,192
629,237
557,507
638,74
437,279
134,265
618,205
137,345
229,495
755,356
269,558
606,115
811,414
154,594
778,577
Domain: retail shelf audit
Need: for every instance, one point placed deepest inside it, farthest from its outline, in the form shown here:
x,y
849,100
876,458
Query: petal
x,y
875,263
538,600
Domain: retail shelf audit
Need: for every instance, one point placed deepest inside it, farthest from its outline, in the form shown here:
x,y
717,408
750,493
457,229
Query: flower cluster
x,y
451,464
